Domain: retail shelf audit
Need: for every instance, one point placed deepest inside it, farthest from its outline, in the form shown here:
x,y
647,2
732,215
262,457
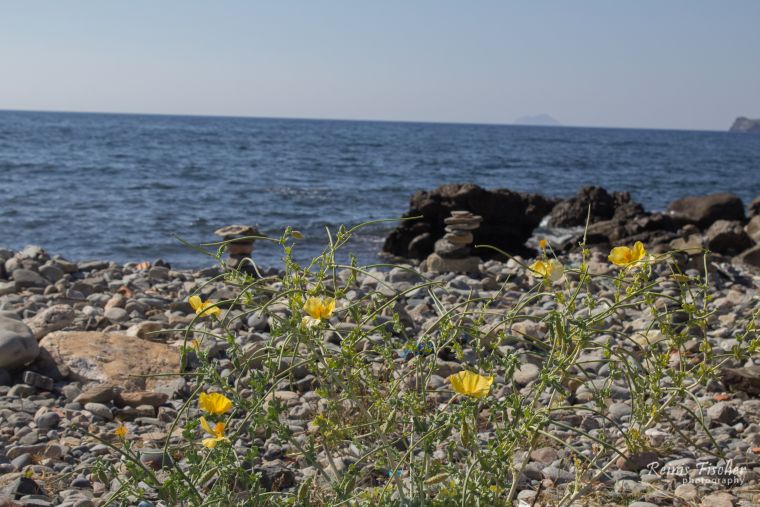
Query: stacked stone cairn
x,y
452,252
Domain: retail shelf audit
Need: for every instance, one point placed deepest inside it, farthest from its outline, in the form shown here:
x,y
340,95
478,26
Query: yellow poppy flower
x,y
318,309
203,308
471,384
121,431
625,256
214,403
542,244
217,433
550,270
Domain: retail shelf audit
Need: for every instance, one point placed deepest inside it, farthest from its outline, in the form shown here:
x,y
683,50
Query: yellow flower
x,y
203,308
121,431
471,384
217,433
318,309
625,256
542,244
214,403
550,270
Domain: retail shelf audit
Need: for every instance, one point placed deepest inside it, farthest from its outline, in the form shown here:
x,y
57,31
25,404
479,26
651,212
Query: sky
x,y
685,64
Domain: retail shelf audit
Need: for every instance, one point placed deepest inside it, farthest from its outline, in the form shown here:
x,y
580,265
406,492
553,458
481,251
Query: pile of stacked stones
x,y
452,252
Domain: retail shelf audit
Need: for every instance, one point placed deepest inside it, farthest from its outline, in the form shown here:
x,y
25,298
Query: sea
x,y
127,187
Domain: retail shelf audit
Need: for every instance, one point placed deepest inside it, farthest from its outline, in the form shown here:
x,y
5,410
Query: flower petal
x,y
557,270
328,308
205,426
195,302
313,307
214,403
620,256
638,251
471,384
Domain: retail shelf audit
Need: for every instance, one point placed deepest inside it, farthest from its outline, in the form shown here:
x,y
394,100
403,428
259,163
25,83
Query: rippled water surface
x,y
121,187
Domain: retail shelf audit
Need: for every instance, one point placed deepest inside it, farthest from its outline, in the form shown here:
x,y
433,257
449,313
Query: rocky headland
x,y
743,124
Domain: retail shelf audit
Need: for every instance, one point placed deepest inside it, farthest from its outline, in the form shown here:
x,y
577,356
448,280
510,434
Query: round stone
x,y
99,410
115,314
47,421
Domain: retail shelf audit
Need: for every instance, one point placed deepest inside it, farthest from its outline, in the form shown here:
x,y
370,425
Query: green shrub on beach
x,y
384,433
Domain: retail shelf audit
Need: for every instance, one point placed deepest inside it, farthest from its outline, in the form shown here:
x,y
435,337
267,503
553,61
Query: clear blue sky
x,y
647,63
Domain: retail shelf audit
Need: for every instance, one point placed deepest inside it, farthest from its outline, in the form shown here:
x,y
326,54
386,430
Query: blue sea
x,y
124,187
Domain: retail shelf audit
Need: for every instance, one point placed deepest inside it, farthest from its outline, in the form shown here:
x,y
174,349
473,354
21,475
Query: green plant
x,y
382,428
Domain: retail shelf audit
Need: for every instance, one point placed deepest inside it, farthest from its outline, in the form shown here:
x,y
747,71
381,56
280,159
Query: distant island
x,y
543,120
743,124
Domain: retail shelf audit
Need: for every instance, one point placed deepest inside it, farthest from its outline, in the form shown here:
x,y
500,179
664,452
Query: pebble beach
x,y
81,343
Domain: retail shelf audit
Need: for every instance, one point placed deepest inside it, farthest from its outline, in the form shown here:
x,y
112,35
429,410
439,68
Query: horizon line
x,y
362,120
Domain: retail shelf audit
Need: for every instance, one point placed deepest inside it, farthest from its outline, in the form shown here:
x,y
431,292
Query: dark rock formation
x,y
574,211
692,224
508,219
615,219
742,124
706,209
727,237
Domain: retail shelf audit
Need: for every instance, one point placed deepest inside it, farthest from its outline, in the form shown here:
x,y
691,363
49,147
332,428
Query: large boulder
x,y
508,219
727,237
18,346
574,211
707,209
111,358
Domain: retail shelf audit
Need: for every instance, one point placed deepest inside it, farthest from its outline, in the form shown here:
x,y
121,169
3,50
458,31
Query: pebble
x,y
99,410
526,374
116,314
47,421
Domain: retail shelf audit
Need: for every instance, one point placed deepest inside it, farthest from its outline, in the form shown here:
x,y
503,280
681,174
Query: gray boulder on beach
x,y
18,346
704,210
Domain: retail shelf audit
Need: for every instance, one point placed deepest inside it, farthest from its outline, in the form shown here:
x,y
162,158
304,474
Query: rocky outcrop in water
x,y
574,211
743,124
508,219
704,210
716,222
